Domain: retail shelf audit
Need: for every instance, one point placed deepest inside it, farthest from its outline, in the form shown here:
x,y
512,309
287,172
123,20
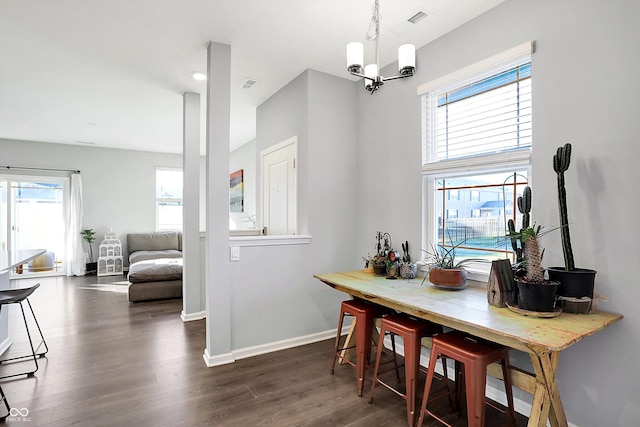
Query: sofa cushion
x,y
158,241
155,270
147,255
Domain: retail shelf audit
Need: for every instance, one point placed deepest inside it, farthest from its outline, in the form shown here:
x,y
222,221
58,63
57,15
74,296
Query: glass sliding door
x,y
33,217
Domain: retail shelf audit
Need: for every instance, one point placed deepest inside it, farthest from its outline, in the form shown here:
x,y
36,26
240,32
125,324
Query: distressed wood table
x,y
467,310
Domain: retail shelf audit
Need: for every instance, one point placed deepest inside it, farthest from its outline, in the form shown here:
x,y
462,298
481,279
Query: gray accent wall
x,y
275,296
584,92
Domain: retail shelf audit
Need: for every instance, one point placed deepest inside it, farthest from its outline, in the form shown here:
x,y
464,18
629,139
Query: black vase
x,y
91,268
577,283
539,297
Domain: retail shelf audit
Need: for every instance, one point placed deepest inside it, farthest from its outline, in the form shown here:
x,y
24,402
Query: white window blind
x,y
482,112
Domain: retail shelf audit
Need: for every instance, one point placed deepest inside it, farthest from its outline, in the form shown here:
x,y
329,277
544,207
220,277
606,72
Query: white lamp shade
x,y
355,54
406,56
371,71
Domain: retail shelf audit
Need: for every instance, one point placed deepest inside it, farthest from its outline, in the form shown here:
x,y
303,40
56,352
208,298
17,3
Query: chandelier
x,y
371,73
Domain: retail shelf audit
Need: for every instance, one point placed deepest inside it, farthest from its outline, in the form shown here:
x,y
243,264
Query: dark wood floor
x,y
113,363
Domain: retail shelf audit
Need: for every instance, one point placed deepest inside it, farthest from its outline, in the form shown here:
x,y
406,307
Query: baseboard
x,y
218,359
199,315
5,344
285,344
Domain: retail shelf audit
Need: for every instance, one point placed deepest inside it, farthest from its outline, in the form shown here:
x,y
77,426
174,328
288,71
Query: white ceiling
x,y
111,73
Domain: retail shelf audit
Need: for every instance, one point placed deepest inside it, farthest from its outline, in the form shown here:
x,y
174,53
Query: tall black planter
x,y
577,283
537,296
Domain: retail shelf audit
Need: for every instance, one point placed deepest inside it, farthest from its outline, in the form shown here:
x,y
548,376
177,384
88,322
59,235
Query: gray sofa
x,y
155,265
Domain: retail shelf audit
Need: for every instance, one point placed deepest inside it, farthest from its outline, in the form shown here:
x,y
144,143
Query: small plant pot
x,y
537,296
91,268
380,269
575,305
454,278
408,270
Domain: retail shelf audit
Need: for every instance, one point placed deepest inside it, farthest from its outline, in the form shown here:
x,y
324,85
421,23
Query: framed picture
x,y
236,191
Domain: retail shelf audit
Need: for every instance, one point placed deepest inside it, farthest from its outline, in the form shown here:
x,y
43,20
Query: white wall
x,y
118,185
275,296
584,72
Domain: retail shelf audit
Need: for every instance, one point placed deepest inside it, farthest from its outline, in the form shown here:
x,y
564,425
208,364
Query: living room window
x,y
477,139
168,199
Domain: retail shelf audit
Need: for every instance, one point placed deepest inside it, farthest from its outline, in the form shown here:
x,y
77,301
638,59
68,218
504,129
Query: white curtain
x,y
75,253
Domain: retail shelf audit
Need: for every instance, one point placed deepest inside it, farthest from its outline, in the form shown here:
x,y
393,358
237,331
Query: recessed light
x,y
198,75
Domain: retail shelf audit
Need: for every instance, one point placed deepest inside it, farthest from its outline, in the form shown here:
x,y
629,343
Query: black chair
x,y
3,398
17,296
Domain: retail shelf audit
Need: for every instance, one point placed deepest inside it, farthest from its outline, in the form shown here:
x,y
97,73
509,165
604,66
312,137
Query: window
x,y
477,138
168,199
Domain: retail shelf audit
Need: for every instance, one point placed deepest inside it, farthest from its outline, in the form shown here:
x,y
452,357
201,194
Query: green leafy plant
x,y
89,236
445,257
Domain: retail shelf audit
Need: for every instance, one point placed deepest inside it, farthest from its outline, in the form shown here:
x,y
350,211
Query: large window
x,y
477,138
168,199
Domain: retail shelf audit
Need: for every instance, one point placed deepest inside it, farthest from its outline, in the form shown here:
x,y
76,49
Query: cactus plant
x,y
533,254
524,206
561,161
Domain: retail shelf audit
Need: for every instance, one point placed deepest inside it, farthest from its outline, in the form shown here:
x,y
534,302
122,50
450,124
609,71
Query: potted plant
x,y
379,260
444,271
89,236
524,206
574,282
535,293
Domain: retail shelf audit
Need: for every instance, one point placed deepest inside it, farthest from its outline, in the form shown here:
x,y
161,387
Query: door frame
x,y
276,147
9,221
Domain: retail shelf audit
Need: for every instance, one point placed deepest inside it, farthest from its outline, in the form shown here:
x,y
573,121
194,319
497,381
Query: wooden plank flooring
x,y
114,363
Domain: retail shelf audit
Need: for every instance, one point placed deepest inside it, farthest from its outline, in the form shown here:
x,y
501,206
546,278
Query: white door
x,y
279,188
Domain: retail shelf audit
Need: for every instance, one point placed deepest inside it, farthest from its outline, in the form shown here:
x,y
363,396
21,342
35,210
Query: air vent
x,y
417,17
248,83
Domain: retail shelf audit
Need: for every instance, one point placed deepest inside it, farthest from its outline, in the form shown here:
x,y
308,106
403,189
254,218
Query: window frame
x,y
159,200
500,162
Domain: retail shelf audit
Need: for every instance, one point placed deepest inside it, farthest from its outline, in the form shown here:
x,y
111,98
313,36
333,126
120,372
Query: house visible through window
x,y
168,199
477,138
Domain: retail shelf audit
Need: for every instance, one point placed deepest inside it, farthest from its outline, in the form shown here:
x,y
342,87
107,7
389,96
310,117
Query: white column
x,y
217,267
192,307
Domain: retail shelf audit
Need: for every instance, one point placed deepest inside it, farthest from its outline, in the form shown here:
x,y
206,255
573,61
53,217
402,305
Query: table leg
x,y
546,400
350,340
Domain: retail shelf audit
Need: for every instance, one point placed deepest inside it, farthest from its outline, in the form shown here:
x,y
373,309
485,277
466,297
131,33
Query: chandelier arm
x,y
384,79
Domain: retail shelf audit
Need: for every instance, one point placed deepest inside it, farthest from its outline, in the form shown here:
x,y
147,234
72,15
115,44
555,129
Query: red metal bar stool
x,y
365,315
411,331
476,355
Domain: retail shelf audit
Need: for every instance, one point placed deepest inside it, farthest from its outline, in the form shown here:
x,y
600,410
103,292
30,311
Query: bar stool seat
x,y
411,331
365,315
18,296
476,355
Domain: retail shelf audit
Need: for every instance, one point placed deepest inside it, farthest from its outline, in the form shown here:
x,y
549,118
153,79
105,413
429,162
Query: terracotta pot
x,y
445,277
380,269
